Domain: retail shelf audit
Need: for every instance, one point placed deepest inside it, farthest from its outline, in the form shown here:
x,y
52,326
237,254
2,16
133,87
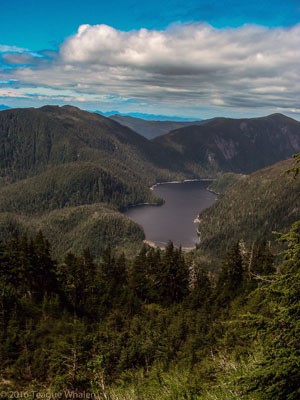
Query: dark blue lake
x,y
174,220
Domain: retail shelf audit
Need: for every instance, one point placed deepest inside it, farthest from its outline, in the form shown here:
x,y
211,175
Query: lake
x,y
174,220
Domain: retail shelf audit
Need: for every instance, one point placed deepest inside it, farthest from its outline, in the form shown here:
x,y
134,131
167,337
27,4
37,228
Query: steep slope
x,y
235,145
33,139
152,129
254,206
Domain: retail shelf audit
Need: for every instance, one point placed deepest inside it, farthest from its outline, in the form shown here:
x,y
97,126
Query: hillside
x,y
70,185
31,140
235,145
151,129
252,207
77,228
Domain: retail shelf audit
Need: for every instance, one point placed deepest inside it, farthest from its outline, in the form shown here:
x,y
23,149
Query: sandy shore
x,y
152,244
183,181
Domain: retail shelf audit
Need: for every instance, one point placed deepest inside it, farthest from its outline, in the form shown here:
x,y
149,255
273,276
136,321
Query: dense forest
x,y
153,327
252,205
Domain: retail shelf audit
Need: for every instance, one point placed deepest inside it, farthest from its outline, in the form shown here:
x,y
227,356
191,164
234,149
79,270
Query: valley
x,y
56,158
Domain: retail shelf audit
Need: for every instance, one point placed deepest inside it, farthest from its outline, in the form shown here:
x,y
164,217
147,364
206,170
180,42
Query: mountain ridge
x,y
236,145
152,128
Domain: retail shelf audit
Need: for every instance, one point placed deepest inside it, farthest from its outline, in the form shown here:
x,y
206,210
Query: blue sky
x,y
195,58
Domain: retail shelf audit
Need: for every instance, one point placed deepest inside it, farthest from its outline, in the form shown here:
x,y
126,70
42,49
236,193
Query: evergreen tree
x,y
139,279
231,277
174,276
277,374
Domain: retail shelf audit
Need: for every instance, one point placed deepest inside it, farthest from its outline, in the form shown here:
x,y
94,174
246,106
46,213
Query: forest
x,y
154,327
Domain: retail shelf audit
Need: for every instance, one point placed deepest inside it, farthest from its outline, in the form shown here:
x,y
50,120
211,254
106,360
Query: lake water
x,y
174,220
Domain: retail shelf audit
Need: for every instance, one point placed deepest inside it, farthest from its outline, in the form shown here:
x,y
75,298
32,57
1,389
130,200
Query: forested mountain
x,y
253,206
57,157
151,129
35,139
235,145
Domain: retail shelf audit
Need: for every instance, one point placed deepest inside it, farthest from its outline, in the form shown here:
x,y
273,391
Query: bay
x,y
174,220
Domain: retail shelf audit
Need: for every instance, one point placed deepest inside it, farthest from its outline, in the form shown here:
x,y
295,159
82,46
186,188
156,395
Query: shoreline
x,y
182,181
155,246
212,191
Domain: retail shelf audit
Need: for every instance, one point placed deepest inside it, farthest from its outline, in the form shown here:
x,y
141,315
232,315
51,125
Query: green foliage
x,y
296,168
253,207
70,185
223,182
73,229
151,327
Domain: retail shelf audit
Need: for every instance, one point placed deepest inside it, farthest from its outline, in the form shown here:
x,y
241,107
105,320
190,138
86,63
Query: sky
x,y
193,59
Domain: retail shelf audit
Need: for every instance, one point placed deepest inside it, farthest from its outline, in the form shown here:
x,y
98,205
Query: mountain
x,y
33,140
235,145
147,117
4,107
253,206
151,128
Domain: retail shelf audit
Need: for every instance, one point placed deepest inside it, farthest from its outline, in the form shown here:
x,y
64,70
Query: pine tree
x,y
139,275
231,277
174,276
277,373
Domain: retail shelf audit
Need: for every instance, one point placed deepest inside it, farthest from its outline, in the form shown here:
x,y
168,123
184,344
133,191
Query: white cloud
x,y
184,49
12,49
192,65
11,93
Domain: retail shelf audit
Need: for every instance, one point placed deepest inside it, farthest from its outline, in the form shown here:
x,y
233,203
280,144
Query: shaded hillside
x,y
71,185
235,145
254,206
33,139
76,228
151,129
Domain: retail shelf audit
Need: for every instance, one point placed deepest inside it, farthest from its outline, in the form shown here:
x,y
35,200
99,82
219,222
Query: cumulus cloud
x,y
186,65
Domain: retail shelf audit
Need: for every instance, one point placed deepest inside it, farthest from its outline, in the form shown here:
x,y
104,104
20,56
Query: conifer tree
x,y
139,274
231,276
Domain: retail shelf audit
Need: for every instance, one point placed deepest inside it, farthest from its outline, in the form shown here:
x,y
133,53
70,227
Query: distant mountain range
x,y
4,107
151,128
147,117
